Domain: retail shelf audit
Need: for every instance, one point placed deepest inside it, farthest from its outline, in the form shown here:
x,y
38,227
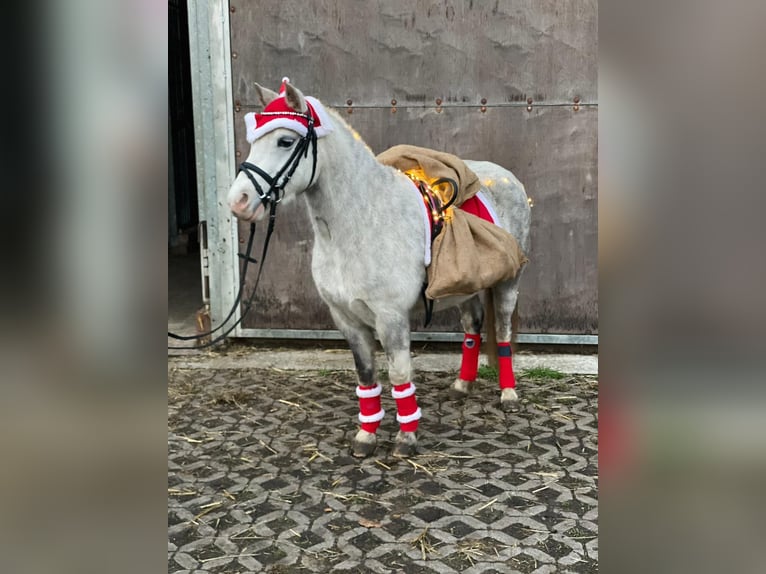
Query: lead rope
x,y
248,304
247,257
309,140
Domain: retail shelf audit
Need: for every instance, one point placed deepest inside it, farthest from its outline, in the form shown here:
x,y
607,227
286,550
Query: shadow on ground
x,y
261,478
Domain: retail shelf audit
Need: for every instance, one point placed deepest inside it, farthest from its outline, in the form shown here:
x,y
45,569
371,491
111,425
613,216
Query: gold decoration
x,y
443,191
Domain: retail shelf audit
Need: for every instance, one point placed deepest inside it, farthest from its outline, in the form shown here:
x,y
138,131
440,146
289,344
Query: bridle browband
x,y
276,188
270,199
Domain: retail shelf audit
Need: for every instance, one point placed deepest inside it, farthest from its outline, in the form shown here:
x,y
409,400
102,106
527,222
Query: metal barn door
x,y
510,82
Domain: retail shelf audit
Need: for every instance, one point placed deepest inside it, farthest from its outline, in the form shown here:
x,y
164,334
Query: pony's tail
x,y
490,347
514,326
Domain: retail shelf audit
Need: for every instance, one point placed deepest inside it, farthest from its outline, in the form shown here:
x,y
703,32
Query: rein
x,y
437,209
271,198
437,212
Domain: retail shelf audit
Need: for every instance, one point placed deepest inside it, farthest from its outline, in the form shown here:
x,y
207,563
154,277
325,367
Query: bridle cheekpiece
x,y
309,125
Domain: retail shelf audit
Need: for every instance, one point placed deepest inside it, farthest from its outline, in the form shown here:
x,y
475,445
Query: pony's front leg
x,y
394,333
361,340
368,391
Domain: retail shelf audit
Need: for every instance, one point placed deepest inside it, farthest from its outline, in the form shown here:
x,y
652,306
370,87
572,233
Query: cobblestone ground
x,y
261,478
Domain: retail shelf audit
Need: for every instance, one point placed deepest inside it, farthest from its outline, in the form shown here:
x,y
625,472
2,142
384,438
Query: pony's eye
x,y
285,142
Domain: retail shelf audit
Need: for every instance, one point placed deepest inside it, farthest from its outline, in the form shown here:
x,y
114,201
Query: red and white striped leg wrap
x,y
469,366
370,412
505,366
407,410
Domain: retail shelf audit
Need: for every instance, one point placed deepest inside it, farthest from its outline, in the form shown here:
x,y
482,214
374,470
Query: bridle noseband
x,y
277,188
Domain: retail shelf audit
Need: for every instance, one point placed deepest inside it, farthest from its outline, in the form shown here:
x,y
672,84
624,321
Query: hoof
x,y
405,445
509,400
460,389
364,444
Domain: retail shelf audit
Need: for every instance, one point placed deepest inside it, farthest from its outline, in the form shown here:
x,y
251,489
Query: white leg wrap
x,y
405,393
372,418
409,418
369,393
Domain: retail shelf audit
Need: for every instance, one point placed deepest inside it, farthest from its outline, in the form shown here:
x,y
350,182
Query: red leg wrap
x,y
370,413
407,411
505,364
470,363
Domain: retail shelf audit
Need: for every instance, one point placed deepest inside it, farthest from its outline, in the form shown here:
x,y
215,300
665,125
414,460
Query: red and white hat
x,y
278,114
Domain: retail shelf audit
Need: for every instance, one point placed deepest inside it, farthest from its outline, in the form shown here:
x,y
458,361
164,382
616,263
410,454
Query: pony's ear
x,y
265,95
295,99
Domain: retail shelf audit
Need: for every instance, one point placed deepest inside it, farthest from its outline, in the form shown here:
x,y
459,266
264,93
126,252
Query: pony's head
x,y
282,159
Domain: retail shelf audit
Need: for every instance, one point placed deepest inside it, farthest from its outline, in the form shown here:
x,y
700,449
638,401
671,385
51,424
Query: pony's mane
x,y
342,123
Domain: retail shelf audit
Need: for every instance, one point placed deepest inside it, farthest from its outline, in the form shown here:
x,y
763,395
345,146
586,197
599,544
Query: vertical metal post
x,y
209,49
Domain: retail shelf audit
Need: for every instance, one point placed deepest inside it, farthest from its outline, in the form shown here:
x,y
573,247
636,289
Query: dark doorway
x,y
183,213
184,283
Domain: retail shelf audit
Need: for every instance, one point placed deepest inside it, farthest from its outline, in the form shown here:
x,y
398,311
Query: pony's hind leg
x,y
394,333
506,296
361,340
471,318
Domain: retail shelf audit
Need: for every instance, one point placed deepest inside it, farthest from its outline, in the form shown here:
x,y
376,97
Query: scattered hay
x,y
226,557
471,550
439,454
419,467
428,462
188,439
356,497
230,397
238,535
179,492
313,450
423,541
267,447
206,508
490,503
563,416
544,487
290,403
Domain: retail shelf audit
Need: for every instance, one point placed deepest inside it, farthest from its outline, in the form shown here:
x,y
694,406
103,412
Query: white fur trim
x,y
426,221
274,124
488,205
324,118
250,126
286,79
409,418
369,393
372,418
405,393
327,126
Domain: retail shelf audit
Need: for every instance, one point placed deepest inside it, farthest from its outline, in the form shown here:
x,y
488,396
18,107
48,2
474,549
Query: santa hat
x,y
278,114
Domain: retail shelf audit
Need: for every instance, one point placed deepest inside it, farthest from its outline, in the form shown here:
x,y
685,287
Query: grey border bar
x,y
448,106
332,335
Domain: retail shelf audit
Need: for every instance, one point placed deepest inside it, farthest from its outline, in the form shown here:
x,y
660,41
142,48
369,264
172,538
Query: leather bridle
x,y
276,189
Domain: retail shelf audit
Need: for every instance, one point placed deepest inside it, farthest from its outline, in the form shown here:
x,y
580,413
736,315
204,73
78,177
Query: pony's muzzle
x,y
242,207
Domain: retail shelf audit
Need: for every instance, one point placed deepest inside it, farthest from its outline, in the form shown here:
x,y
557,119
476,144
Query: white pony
x,y
371,247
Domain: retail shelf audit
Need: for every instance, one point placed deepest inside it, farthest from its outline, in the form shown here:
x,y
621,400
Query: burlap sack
x,y
471,254
436,164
